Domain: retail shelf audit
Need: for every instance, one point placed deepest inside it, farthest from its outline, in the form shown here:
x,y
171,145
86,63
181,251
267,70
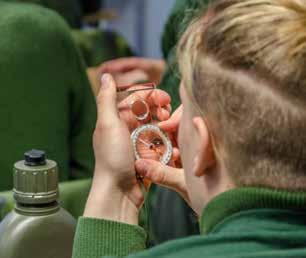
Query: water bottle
x,y
37,227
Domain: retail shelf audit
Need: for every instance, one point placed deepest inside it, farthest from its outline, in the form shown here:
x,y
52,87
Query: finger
x,y
176,155
131,121
162,175
129,118
159,98
172,124
159,114
106,101
130,77
162,114
154,98
122,65
173,138
113,66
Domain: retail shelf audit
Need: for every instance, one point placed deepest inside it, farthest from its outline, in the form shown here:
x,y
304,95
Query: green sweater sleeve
x,y
97,238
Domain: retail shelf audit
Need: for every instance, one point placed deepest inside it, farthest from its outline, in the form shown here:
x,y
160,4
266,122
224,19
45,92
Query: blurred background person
x,y
46,100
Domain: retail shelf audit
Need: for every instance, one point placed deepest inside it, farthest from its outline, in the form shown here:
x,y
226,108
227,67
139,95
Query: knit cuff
x,y
96,238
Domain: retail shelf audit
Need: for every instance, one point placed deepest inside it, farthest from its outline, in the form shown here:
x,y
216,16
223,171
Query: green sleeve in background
x,y
98,46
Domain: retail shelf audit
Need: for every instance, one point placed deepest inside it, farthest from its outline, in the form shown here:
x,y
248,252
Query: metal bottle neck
x,y
37,209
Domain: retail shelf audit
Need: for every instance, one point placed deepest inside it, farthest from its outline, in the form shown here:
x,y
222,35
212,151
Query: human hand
x,y
163,175
171,127
115,193
132,69
158,104
172,124
167,176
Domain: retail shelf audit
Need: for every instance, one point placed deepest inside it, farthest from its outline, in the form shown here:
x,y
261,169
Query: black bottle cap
x,y
35,158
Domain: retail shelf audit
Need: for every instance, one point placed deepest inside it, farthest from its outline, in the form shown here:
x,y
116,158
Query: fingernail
x,y
105,81
165,114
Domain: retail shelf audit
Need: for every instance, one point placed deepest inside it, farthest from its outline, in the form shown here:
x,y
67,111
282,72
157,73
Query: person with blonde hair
x,y
241,137
164,72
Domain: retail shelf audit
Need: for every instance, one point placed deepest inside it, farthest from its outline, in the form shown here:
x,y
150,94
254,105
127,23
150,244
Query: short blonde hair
x,y
244,65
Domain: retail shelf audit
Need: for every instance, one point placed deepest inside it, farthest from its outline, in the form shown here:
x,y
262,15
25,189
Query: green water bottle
x,y
38,227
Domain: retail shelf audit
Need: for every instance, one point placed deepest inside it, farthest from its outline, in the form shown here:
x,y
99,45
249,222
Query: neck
x,y
216,181
37,209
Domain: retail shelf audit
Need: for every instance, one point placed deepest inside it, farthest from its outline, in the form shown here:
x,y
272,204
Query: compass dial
x,y
150,142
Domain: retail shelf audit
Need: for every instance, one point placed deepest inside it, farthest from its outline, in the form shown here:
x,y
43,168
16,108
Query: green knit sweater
x,y
45,97
241,223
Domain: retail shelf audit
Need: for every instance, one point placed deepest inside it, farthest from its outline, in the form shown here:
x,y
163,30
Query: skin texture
x,y
120,198
157,100
132,69
203,176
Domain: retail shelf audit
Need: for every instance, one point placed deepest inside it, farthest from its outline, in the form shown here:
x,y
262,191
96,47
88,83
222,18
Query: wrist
x,y
107,201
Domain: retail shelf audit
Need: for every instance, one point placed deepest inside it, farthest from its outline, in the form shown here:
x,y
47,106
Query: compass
x,y
150,142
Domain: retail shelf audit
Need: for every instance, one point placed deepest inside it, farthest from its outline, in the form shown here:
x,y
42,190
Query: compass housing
x,y
154,142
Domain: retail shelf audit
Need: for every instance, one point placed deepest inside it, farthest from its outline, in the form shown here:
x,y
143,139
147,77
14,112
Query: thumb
x,y
172,124
160,174
107,100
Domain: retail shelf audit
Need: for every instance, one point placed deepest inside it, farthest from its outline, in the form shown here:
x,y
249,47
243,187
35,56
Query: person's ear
x,y
205,157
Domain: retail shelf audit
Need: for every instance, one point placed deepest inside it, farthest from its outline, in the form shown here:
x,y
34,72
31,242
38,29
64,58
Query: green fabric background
x,y
97,46
71,10
240,223
45,97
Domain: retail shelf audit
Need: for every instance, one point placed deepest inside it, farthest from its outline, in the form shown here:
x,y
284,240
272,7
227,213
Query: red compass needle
x,y
149,145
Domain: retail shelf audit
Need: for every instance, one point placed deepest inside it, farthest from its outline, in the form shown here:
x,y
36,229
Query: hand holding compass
x,y
168,176
149,141
116,193
142,103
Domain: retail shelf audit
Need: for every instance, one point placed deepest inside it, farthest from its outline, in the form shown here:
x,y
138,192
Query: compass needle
x,y
155,140
149,145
